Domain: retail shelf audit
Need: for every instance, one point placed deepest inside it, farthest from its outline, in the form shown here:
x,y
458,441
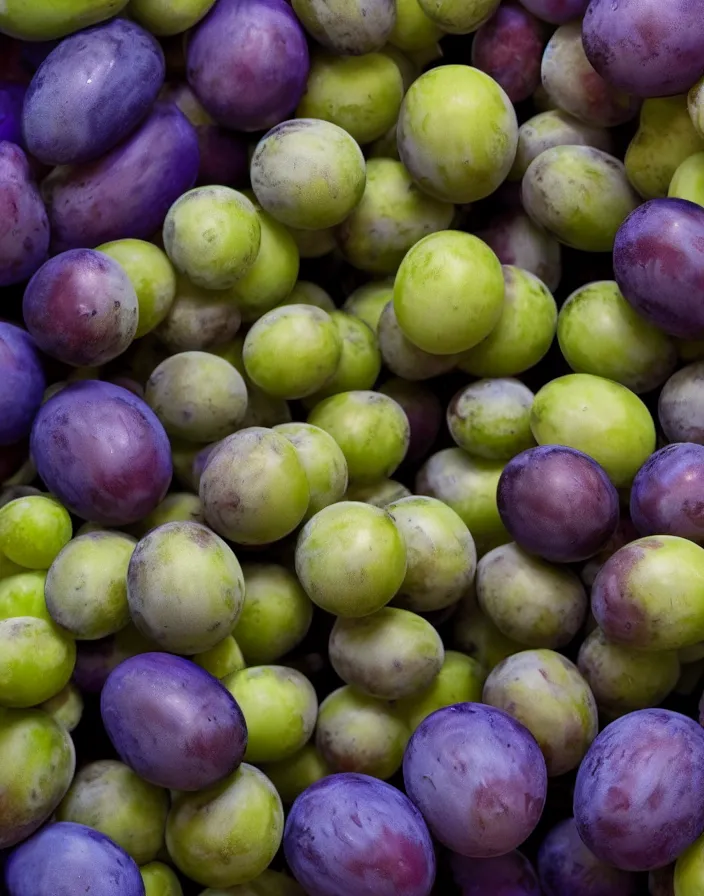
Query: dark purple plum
x,y
103,452
558,503
508,875
91,92
172,722
349,834
224,158
646,47
639,796
66,859
24,226
478,777
556,12
681,405
659,265
667,495
568,868
248,63
11,100
126,193
509,47
424,412
81,308
22,383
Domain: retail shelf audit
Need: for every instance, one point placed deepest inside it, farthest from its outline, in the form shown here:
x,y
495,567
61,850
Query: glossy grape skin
x,y
24,238
23,383
509,47
360,359
478,777
66,707
160,880
667,495
198,320
350,832
127,192
369,300
379,493
322,460
637,800
491,418
558,503
65,856
568,868
508,875
172,722
87,475
424,413
350,29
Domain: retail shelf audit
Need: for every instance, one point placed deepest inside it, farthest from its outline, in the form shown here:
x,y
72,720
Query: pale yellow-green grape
x,y
37,660
689,870
360,359
291,776
413,30
409,68
167,17
22,594
459,16
198,320
33,530
322,460
66,707
175,508
160,880
306,293
348,27
688,180
221,660
41,21
475,634
379,493
554,128
491,418
368,301
313,243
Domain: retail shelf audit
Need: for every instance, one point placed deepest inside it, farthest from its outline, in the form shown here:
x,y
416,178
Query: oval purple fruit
x,y
24,226
22,383
509,47
667,496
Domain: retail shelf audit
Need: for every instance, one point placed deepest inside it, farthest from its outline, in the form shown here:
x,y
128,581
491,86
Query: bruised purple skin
x,y
509,47
639,795
558,503
350,834
667,496
126,193
556,12
81,308
509,875
11,100
478,777
91,92
681,405
646,47
22,383
65,859
172,722
248,63
24,226
567,868
517,241
424,412
224,158
659,264
95,660
103,452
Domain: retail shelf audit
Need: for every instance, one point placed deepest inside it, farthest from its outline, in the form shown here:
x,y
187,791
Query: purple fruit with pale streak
x,y
667,495
509,47
22,383
24,226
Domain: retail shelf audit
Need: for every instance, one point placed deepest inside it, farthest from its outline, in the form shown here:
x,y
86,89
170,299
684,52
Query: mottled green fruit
x,y
547,694
40,22
295,774
351,559
348,27
109,797
600,333
268,883
23,595
474,633
183,455
152,276
394,215
688,180
160,880
33,530
554,128
491,418
314,243
276,615
307,293
404,358
379,493
198,320
177,507
579,194
460,680
323,461
308,174
358,733
360,359
66,707
212,235
37,661
459,16
229,833
413,30
448,292
665,138
165,18
599,417
223,659
688,878
368,301
457,133
533,602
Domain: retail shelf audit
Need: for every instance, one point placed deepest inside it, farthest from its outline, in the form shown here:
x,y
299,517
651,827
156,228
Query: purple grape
x,y
172,722
681,405
24,226
509,47
478,777
518,242
65,859
11,100
508,875
22,383
667,496
658,261
646,47
558,503
81,308
223,157
424,413
568,868
126,193
639,796
248,63
91,92
102,452
349,834
556,12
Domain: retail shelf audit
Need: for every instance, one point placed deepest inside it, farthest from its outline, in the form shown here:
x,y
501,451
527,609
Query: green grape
x,y
66,707
404,358
474,633
223,659
37,661
307,293
33,530
23,595
491,418
177,507
323,461
460,680
380,493
198,320
160,880
291,776
413,30
368,301
459,16
165,18
360,359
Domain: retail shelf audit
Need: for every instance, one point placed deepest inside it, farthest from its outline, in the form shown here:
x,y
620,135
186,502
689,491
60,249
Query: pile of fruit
x,y
351,447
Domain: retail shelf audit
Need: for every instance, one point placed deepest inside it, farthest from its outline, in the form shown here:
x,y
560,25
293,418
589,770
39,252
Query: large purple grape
x,y
81,308
248,63
424,412
478,777
557,12
639,796
172,722
646,47
91,92
11,100
126,193
67,859
24,226
667,496
508,875
658,263
568,868
102,452
509,47
22,383
558,503
349,834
